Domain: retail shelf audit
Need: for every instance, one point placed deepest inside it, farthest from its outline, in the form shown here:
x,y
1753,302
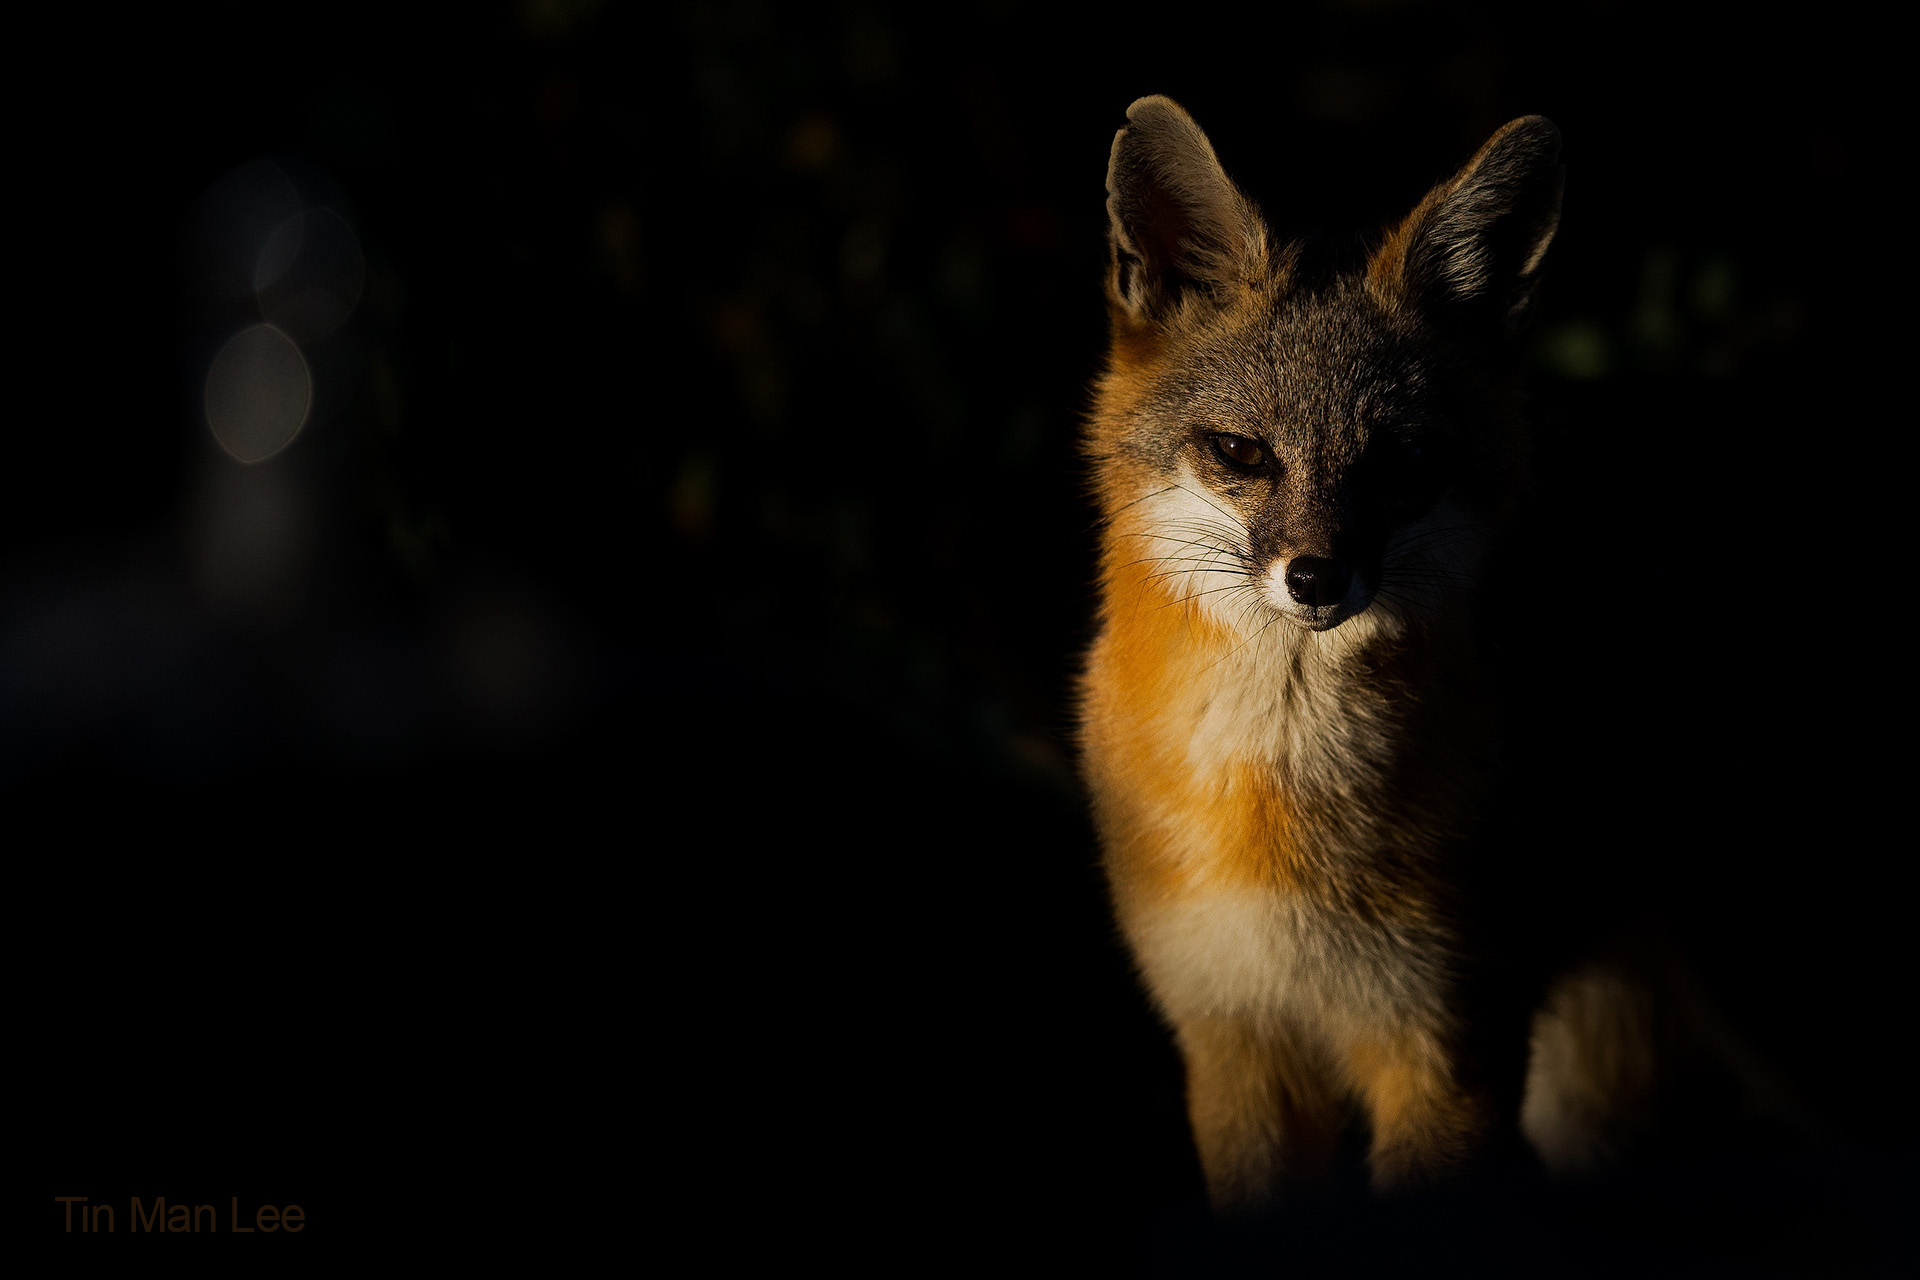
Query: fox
x,y
1303,454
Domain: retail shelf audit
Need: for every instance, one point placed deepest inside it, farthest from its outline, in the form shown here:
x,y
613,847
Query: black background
x,y
639,808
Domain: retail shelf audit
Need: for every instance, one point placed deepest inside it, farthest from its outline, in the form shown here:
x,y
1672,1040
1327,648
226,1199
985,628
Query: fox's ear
x,y
1177,225
1474,245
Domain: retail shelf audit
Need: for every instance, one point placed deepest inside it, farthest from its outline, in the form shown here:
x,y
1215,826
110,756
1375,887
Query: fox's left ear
x,y
1473,247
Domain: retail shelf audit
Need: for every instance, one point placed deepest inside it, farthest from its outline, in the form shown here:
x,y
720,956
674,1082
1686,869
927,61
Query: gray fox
x,y
1303,455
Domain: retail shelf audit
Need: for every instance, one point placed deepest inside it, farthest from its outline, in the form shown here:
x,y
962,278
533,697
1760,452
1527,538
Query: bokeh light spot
x,y
259,391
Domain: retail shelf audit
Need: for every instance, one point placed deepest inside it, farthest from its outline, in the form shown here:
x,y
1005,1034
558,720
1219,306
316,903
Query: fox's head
x,y
1308,432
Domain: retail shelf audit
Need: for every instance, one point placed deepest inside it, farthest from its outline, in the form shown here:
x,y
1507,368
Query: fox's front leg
x,y
1261,1110
1425,1124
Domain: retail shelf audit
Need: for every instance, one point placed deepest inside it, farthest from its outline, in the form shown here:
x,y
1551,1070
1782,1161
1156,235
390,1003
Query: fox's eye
x,y
1420,463
1239,450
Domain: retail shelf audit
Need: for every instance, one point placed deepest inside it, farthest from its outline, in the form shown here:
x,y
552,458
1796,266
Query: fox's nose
x,y
1317,581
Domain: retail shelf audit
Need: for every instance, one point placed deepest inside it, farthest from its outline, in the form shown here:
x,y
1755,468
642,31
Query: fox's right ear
x,y
1178,226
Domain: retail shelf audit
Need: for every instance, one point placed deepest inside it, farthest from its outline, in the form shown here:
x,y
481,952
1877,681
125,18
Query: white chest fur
x,y
1293,705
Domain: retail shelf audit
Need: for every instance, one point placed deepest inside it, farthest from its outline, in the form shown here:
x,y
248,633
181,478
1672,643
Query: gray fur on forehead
x,y
1322,368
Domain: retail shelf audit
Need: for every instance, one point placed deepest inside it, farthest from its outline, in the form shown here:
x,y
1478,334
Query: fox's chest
x,y
1266,953
1243,805
1279,753
1221,952
1280,728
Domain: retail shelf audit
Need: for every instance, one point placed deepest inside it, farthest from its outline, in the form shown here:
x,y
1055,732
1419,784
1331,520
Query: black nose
x,y
1319,582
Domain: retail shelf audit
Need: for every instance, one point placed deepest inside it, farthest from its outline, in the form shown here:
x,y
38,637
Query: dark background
x,y
610,779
